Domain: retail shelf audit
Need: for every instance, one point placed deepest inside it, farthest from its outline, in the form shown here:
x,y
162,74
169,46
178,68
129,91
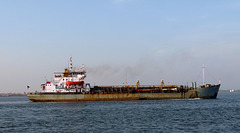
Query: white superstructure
x,y
71,80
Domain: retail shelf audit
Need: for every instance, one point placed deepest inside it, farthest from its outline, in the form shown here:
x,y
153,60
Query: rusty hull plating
x,y
70,86
126,93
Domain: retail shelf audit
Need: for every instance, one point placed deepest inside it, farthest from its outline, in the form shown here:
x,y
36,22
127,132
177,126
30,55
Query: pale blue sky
x,y
148,40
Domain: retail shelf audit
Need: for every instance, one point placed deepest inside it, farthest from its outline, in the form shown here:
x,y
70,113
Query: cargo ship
x,y
70,86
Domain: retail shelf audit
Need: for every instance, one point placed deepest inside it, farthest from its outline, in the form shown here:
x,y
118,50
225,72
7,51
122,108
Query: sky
x,y
120,41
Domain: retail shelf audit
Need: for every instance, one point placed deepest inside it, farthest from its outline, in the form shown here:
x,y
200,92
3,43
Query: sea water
x,y
18,114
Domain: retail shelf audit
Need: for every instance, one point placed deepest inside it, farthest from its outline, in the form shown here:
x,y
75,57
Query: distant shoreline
x,y
228,91
12,94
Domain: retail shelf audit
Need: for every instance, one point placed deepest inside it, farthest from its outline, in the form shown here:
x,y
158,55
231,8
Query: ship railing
x,y
117,86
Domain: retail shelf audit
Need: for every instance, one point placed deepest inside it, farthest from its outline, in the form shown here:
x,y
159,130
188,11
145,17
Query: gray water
x,y
18,114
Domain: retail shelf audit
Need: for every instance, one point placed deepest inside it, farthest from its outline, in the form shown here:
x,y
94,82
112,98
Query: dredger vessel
x,y
70,86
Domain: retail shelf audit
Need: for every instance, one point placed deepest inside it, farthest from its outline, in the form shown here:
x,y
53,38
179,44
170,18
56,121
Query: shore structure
x,y
70,86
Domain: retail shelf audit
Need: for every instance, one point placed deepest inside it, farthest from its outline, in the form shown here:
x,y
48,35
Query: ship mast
x,y
70,64
203,75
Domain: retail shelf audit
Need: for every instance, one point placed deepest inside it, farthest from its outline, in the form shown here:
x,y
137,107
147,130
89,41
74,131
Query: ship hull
x,y
208,92
37,97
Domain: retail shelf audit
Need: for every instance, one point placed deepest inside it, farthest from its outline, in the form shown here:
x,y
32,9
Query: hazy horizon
x,y
119,41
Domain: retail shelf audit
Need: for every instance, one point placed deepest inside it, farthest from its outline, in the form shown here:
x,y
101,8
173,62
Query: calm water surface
x,y
18,114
